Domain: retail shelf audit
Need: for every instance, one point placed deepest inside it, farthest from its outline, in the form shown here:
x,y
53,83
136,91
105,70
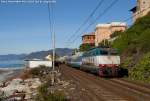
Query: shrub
x,y
45,95
105,43
40,71
136,36
135,43
85,47
141,71
126,62
115,34
25,74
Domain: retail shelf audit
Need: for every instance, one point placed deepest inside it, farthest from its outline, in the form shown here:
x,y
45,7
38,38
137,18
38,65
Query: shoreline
x,y
6,73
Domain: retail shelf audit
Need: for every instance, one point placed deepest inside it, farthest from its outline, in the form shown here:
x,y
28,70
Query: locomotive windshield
x,y
104,52
100,51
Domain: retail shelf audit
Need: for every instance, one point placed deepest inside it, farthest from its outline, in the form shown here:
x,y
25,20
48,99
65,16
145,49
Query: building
x,y
89,38
141,9
34,63
103,31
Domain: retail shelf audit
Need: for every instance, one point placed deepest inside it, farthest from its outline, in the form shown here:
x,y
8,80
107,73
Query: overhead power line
x,y
127,19
102,14
97,18
88,18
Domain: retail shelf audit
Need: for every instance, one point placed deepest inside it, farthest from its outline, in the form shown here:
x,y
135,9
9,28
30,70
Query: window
x,y
87,37
97,52
114,52
103,52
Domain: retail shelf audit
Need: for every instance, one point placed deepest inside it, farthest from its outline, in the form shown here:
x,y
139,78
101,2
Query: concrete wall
x,y
34,64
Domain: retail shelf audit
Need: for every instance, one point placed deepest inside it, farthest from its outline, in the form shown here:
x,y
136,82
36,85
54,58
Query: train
x,y
104,62
75,61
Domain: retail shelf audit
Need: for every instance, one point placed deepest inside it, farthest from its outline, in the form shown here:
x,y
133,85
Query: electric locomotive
x,y
102,61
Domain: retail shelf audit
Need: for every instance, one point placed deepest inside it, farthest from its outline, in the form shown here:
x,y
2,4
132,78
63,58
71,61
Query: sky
x,y
24,28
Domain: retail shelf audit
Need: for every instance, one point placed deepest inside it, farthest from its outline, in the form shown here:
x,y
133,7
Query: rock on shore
x,y
20,89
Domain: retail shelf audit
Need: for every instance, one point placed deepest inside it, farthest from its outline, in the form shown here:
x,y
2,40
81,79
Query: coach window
x,y
97,52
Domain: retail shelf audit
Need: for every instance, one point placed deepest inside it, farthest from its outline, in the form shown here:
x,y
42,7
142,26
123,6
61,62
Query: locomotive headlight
x,y
101,65
117,65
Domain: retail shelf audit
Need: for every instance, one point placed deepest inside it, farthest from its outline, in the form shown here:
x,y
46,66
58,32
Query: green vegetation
x,y
134,47
105,43
135,38
85,47
126,62
116,34
141,71
40,71
45,90
44,94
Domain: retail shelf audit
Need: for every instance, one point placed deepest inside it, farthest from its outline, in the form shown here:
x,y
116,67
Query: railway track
x,y
135,93
100,89
92,95
147,86
139,88
128,90
99,93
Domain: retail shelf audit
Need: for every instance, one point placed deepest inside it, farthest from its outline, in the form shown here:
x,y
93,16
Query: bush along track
x,y
134,47
141,71
45,95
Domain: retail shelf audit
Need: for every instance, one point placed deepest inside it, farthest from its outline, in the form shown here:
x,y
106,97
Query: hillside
x,y
134,47
12,57
43,54
38,54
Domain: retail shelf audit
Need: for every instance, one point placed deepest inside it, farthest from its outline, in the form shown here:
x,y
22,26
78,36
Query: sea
x,y
12,64
12,67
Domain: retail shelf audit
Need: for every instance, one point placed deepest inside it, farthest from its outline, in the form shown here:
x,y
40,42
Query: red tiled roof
x,y
90,34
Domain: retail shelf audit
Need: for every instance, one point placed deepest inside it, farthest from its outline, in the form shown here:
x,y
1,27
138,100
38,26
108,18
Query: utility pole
x,y
53,59
51,20
53,37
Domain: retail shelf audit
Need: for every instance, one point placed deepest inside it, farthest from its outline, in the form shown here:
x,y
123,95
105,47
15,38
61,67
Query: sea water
x,y
11,66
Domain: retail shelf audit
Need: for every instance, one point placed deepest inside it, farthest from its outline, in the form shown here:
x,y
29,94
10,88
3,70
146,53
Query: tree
x,y
85,47
105,43
115,34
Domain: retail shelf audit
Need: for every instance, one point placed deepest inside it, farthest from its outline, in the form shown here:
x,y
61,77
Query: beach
x,y
10,68
8,73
